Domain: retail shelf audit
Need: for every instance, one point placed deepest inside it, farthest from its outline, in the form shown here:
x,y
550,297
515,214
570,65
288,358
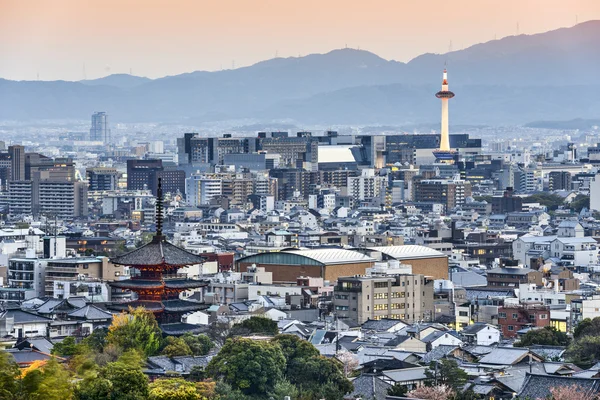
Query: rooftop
x,y
408,252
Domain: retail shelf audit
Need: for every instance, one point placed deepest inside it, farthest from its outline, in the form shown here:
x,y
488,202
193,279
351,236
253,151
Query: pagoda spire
x,y
159,211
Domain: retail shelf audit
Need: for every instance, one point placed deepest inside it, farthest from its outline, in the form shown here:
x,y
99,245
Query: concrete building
x,y
61,199
17,162
513,318
200,189
367,187
100,131
449,192
559,180
407,297
20,197
102,178
513,277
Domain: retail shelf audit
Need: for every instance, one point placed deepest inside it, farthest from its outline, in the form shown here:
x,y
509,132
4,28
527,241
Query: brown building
x,y
407,297
513,277
425,261
514,318
329,264
450,193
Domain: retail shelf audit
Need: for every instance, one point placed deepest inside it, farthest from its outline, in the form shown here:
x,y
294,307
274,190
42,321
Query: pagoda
x,y
154,275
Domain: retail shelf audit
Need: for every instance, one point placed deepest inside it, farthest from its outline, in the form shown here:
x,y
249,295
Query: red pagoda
x,y
155,278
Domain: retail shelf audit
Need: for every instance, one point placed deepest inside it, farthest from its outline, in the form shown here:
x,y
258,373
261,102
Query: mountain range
x,y
514,80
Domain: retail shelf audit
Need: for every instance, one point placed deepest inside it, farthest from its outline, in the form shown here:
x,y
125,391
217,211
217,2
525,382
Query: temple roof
x,y
158,252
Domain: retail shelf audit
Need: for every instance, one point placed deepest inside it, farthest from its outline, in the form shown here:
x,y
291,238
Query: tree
x,y
176,347
584,351
548,336
282,389
207,389
551,201
55,382
579,202
128,382
251,366
255,326
348,360
9,374
137,330
67,348
397,390
173,389
200,345
295,348
439,392
587,327
447,372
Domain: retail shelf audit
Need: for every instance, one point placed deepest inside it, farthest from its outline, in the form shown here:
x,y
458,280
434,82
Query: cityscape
x,y
372,233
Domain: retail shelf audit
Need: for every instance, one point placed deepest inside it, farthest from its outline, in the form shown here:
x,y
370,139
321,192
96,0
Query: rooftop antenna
x,y
450,47
130,71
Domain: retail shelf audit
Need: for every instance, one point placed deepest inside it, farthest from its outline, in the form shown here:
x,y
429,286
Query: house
x,y
23,324
408,343
508,356
435,339
183,365
481,334
24,358
383,325
513,318
368,386
408,377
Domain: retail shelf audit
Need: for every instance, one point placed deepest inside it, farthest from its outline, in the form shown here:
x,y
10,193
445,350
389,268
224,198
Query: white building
x,y
368,186
200,189
595,193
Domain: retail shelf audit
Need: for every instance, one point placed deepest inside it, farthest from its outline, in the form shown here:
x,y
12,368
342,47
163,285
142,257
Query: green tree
x,y
548,336
200,345
136,330
587,327
225,391
579,202
282,389
251,366
397,390
55,383
176,347
584,351
128,382
173,389
9,374
67,348
447,372
552,201
255,326
319,377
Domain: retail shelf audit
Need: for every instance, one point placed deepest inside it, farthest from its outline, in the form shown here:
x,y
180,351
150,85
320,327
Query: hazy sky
x,y
55,38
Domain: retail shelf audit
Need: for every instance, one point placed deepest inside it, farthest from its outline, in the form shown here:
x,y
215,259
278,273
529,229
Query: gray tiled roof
x,y
368,386
538,386
23,317
437,353
158,252
90,312
381,325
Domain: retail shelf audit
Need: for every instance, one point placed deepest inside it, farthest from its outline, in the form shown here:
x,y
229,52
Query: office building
x,y
407,297
507,203
100,131
559,180
449,192
367,187
17,162
102,178
200,189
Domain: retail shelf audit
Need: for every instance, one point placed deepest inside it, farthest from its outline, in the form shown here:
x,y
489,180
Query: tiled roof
x,y
158,252
381,325
369,386
538,386
90,312
408,251
23,317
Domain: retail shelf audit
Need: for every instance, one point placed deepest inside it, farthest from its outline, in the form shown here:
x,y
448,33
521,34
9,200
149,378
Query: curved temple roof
x,y
158,252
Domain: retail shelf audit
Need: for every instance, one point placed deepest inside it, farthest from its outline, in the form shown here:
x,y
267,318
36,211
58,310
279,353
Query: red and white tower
x,y
444,153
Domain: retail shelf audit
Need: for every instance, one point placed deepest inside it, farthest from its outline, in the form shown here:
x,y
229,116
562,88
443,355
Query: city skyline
x,y
60,42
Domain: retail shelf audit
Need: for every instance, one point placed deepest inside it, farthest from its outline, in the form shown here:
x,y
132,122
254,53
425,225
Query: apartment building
x,y
407,297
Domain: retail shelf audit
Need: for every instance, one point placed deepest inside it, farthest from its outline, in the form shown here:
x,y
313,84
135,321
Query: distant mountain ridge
x,y
516,79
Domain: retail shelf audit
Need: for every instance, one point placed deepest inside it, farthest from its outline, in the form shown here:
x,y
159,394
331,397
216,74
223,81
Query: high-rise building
x,y
367,187
102,178
559,180
17,167
100,131
200,189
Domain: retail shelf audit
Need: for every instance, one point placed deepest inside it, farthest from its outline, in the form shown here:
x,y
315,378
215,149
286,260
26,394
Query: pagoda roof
x,y
184,283
178,305
158,252
154,306
175,305
137,283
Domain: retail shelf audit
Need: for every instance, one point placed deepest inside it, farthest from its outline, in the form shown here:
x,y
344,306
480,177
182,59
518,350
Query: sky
x,y
77,39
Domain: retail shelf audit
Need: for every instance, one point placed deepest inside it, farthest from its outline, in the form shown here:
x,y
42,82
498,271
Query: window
x,y
511,328
515,316
379,296
502,315
379,307
463,314
543,316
